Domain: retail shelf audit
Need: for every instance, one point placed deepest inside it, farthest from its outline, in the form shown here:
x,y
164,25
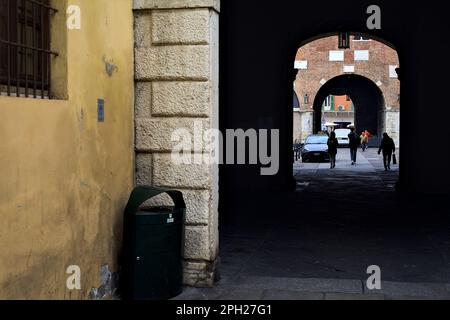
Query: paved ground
x,y
340,222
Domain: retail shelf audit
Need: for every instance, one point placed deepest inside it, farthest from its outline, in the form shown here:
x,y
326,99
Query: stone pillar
x,y
392,126
297,126
307,124
176,75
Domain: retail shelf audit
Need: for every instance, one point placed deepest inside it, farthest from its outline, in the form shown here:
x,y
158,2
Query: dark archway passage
x,y
259,42
367,97
270,232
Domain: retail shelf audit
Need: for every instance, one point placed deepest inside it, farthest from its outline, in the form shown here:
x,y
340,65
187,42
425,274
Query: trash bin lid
x,y
144,193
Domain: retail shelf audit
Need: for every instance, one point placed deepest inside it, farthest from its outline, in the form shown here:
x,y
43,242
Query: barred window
x,y
25,52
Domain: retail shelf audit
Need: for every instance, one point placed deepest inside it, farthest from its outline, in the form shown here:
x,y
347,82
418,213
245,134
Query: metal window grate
x,y
25,52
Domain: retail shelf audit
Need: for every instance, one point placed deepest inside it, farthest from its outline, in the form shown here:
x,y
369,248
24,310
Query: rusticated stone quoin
x,y
184,99
168,174
173,63
200,274
176,4
144,169
143,98
176,76
155,134
197,245
181,27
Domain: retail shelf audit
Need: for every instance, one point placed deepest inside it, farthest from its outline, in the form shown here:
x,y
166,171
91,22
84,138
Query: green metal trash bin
x,y
153,246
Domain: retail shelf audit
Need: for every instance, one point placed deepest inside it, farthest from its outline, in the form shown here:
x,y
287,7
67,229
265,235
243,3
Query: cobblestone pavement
x,y
339,223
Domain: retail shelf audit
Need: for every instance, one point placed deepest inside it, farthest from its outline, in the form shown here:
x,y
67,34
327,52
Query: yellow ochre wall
x,y
64,177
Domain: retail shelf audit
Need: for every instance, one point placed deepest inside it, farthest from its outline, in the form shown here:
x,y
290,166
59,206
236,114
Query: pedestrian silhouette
x,y
332,149
388,148
354,142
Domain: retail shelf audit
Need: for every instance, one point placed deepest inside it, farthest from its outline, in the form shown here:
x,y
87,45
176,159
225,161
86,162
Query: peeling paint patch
x,y
108,288
110,67
84,184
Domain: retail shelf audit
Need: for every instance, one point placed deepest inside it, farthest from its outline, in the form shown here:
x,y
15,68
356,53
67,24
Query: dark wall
x,y
369,104
259,40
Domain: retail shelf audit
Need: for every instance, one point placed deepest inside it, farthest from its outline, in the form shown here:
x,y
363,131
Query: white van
x,y
342,137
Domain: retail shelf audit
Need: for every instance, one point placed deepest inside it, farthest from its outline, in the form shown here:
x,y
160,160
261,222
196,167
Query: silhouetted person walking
x,y
332,149
354,142
388,148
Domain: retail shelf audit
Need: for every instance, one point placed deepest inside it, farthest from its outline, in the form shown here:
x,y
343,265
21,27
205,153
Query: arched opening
x,y
366,109
271,233
355,87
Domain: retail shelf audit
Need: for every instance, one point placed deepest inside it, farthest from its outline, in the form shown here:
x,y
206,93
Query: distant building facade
x,y
339,110
321,60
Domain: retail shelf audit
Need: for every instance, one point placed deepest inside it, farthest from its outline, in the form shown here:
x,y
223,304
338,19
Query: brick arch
x,y
367,97
319,60
317,87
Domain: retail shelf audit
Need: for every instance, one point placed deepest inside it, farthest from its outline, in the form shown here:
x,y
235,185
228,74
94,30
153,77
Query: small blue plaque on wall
x,y
101,110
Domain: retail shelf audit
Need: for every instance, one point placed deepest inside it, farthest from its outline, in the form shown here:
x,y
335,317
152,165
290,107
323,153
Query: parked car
x,y
315,148
342,137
